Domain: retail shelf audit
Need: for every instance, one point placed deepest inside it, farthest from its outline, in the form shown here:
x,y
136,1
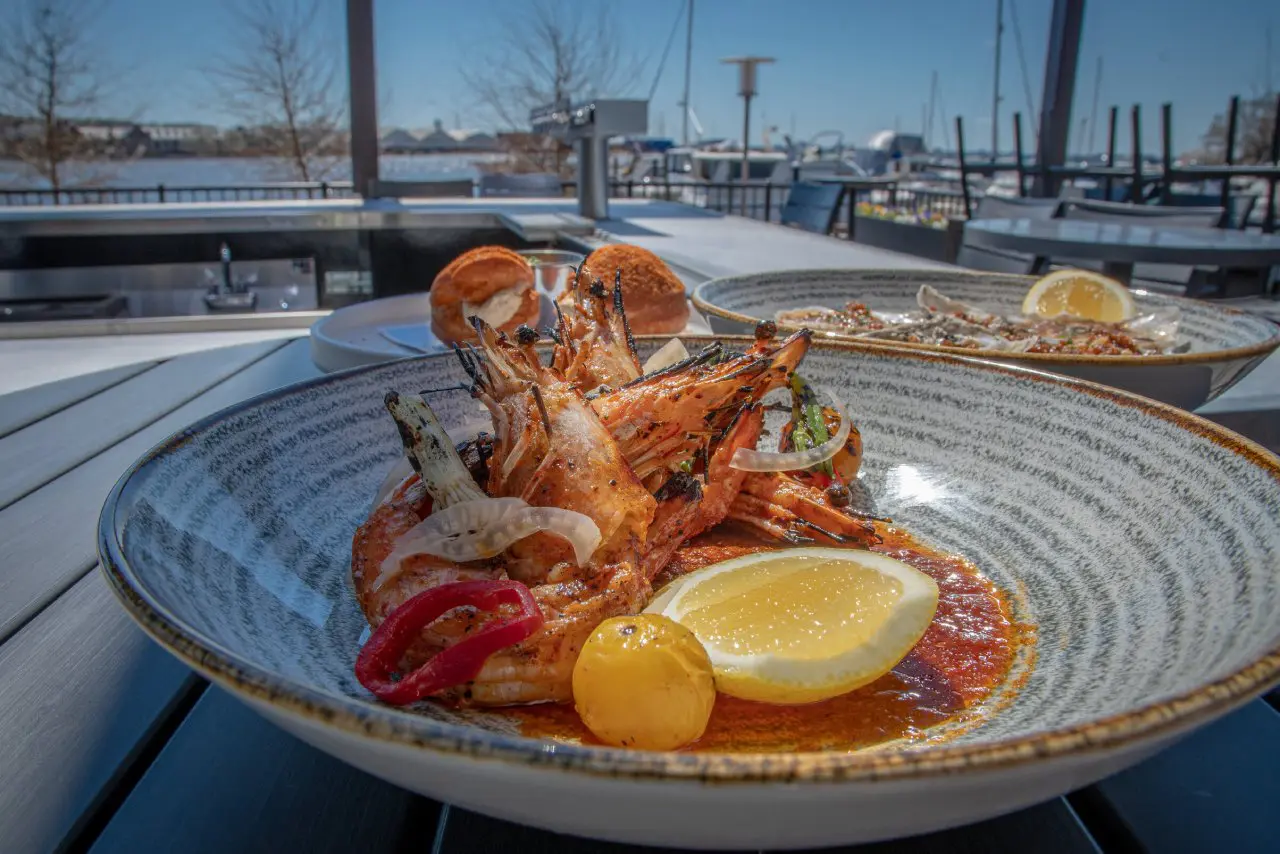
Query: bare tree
x,y
49,74
280,79
551,50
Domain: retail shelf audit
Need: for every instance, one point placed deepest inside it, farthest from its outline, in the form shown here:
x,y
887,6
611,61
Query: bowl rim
x,y
1047,360
367,719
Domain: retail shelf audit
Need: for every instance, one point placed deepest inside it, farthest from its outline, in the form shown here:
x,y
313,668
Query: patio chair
x,y
539,185
811,207
1169,278
1001,260
1239,206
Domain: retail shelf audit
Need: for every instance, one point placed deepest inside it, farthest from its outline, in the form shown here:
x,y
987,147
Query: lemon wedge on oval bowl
x,y
1079,293
802,625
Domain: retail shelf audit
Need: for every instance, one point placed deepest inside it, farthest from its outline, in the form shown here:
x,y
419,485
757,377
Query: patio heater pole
x,y
747,89
1059,87
995,97
363,96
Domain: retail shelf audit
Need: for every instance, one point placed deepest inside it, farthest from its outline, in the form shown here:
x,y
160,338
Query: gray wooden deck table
x,y
108,744
1119,247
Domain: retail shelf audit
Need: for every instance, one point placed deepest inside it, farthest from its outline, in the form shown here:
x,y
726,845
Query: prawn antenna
x,y
467,364
622,312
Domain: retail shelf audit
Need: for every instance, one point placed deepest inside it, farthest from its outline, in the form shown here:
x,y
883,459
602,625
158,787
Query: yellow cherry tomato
x,y
644,682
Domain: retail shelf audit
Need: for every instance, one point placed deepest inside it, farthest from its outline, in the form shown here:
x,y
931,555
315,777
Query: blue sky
x,y
850,65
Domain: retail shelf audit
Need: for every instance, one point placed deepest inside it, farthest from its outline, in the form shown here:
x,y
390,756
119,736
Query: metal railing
x,y
764,201
1145,180
761,200
164,193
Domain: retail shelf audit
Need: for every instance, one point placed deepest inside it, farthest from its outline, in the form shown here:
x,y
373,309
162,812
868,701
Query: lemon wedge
x,y
1079,293
802,625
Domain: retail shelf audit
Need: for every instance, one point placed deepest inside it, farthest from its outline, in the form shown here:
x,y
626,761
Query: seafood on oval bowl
x,y
1116,559
1211,347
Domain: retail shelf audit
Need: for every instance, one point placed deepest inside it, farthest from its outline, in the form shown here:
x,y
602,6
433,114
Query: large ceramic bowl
x,y
1225,344
1142,542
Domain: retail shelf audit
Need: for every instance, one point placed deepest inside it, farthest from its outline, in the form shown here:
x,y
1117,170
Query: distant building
x,y
177,138
103,130
474,140
147,138
399,141
438,139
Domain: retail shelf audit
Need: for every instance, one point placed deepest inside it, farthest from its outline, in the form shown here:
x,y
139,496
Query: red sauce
x,y
967,652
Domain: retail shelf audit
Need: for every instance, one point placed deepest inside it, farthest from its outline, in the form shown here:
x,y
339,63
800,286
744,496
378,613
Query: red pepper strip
x,y
460,662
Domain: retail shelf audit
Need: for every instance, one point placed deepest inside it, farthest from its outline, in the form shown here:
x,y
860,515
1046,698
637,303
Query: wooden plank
x,y
44,360
80,688
1214,791
50,535
20,408
1050,827
36,454
230,781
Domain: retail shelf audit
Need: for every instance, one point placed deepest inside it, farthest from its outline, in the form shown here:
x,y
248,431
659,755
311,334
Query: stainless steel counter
x,y
534,220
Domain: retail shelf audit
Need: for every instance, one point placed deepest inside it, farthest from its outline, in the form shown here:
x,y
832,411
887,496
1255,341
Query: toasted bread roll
x,y
653,295
490,281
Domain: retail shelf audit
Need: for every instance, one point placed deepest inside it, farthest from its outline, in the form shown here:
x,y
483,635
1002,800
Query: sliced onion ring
x,y
749,459
474,530
396,476
669,354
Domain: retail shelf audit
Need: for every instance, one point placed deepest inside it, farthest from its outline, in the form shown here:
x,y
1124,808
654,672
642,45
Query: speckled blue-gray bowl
x,y
1143,542
1224,344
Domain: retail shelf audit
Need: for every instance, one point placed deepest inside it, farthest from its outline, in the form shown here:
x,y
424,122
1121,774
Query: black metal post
x,y
852,200
1112,118
964,175
768,200
1135,128
1059,88
363,95
1229,150
1017,154
1275,134
160,192
1268,224
1166,152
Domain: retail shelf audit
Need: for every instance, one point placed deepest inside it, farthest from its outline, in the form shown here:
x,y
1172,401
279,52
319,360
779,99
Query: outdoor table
x,y
1120,246
109,744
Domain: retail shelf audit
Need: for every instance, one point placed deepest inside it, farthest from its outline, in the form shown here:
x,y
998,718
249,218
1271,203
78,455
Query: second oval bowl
x,y
1225,344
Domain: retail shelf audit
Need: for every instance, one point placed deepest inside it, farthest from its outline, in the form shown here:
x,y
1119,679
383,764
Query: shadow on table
x,y
663,209
622,228
149,690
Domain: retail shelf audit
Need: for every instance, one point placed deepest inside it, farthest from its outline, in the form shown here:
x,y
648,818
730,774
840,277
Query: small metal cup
x,y
552,268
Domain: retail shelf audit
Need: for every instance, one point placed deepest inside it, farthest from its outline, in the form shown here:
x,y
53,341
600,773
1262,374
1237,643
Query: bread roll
x,y
490,281
654,296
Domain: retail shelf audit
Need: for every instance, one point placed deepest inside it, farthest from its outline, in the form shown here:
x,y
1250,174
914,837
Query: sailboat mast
x,y
933,99
688,60
995,95
1093,115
